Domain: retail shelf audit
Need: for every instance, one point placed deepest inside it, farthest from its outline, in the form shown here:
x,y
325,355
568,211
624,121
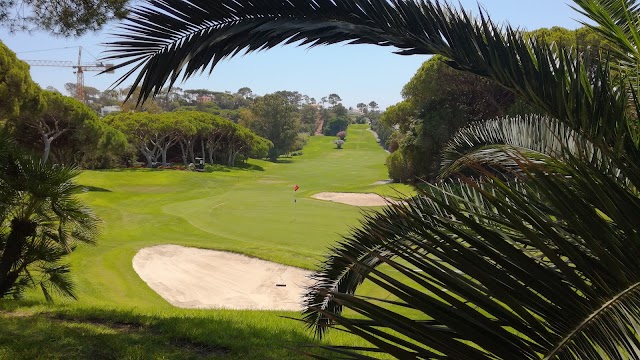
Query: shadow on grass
x,y
131,169
216,168
39,337
116,334
208,169
239,166
247,166
283,161
95,188
13,305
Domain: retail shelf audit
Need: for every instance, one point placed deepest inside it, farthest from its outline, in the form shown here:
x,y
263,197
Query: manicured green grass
x,y
77,332
251,211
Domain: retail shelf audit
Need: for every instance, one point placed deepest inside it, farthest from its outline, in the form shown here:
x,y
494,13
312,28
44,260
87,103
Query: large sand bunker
x,y
196,278
355,199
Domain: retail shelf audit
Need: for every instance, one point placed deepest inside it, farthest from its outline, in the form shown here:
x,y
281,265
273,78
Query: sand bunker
x,y
355,199
196,278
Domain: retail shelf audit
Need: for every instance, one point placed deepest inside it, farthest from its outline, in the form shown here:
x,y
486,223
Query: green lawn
x,y
250,211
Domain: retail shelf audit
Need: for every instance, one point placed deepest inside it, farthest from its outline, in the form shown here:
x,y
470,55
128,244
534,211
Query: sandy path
x,y
383,182
355,199
196,278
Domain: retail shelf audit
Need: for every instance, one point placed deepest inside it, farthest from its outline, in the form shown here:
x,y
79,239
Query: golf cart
x,y
199,164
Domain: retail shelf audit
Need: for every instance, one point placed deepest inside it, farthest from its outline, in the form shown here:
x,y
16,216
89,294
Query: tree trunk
x,y
149,159
21,230
47,148
47,139
151,155
212,145
191,152
164,155
233,159
144,150
202,148
183,148
210,154
230,157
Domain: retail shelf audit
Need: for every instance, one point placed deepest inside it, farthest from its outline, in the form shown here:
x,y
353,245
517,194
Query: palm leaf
x,y
542,269
617,21
44,195
166,38
507,143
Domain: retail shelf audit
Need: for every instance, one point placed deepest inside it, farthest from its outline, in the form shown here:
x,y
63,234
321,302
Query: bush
x,y
384,132
342,135
301,141
335,125
361,119
339,144
393,145
399,168
100,161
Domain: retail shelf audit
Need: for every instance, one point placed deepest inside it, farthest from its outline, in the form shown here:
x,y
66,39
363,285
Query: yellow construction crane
x,y
79,69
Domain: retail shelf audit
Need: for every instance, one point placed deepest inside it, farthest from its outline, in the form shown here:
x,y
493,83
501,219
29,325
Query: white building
x,y
109,109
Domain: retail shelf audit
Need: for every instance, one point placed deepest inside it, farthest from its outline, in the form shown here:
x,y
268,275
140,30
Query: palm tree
x,y
505,145
41,220
542,263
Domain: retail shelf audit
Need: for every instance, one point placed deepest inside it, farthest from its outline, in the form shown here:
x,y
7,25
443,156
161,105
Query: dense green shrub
x,y
383,131
361,119
400,169
301,141
336,124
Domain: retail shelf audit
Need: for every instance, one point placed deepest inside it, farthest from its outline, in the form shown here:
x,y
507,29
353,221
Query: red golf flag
x,y
295,188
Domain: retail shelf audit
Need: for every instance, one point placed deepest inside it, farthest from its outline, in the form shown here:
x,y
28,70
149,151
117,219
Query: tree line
x,y
215,139
221,128
439,100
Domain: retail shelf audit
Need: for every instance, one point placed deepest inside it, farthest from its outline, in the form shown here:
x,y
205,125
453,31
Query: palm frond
x,y
547,270
618,21
43,196
164,38
56,279
507,143
364,244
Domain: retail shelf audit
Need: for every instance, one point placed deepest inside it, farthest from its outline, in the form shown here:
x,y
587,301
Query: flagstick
x,y
293,210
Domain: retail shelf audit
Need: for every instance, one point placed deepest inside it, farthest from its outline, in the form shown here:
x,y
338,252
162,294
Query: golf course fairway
x,y
251,210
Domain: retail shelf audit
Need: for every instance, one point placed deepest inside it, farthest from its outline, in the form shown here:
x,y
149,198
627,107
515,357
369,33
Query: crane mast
x,y
79,69
80,78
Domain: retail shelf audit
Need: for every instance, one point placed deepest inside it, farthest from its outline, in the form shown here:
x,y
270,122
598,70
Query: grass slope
x,y
250,211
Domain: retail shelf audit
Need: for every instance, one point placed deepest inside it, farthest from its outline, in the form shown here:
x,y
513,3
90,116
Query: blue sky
x,y
358,73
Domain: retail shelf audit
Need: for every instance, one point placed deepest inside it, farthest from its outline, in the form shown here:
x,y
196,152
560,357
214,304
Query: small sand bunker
x,y
355,199
196,278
